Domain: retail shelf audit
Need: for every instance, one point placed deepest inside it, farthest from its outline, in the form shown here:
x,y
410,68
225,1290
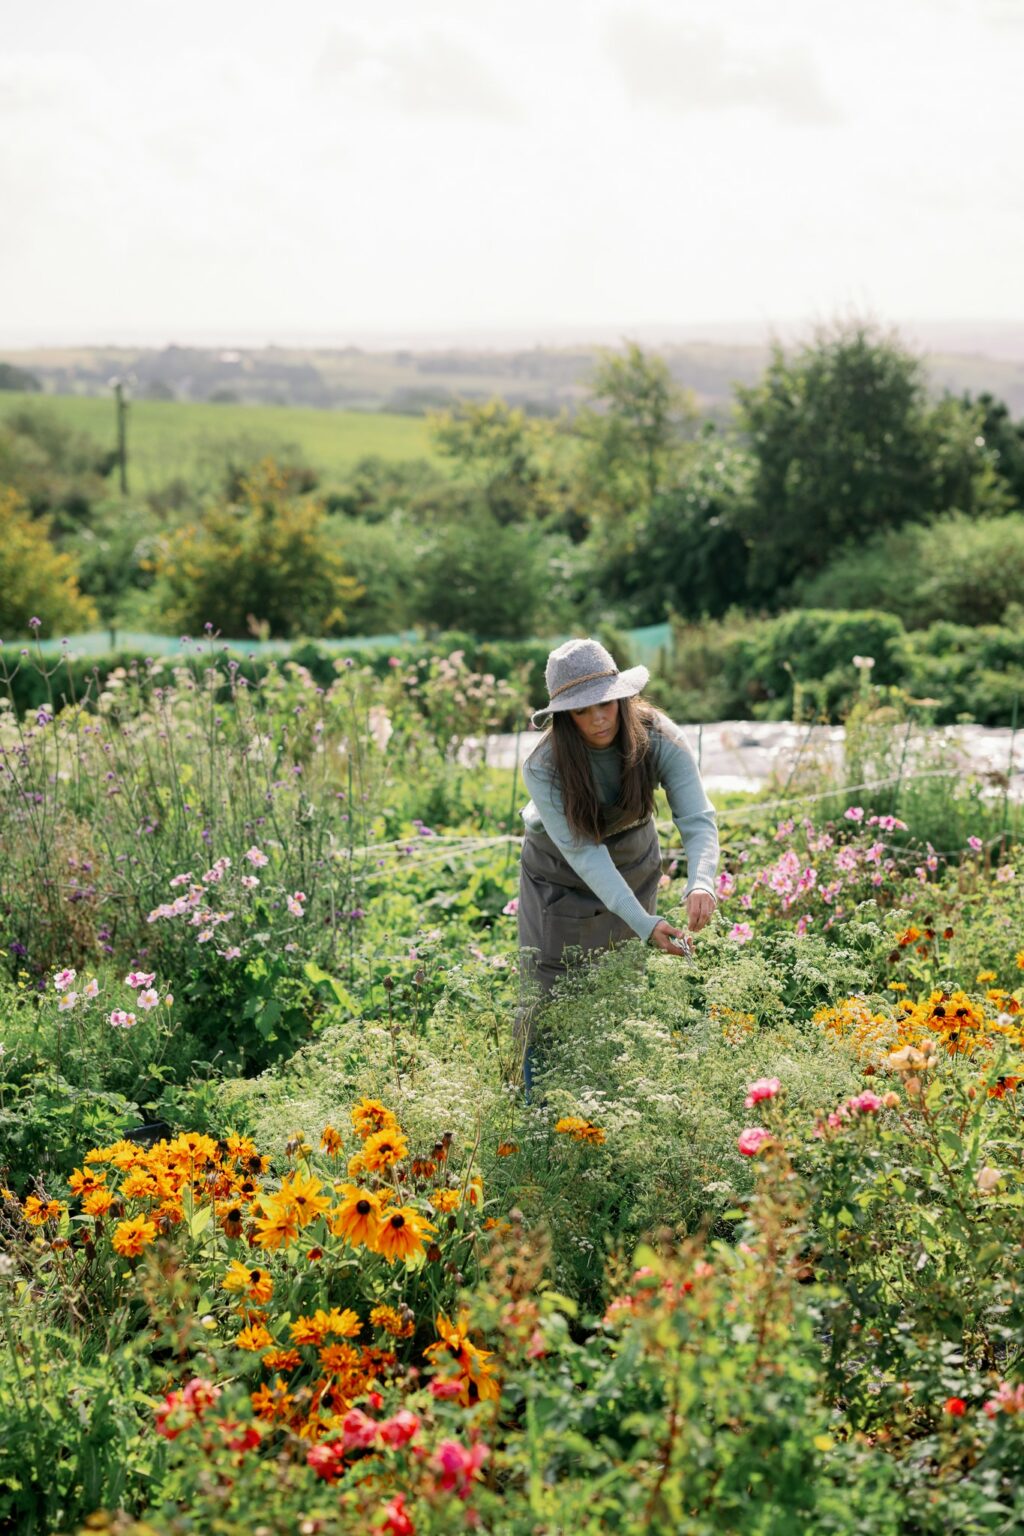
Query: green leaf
x,y
556,1302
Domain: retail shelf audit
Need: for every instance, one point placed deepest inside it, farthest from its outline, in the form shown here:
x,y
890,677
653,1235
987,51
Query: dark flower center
x,y
397,1221
363,1207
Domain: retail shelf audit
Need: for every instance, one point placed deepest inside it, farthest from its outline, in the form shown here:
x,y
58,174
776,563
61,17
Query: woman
x,y
591,862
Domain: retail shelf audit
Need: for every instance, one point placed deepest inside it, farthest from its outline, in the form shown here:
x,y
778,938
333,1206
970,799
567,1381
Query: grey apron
x,y
561,922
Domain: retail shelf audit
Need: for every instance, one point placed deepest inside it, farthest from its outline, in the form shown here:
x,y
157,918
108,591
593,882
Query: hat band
x,y
578,682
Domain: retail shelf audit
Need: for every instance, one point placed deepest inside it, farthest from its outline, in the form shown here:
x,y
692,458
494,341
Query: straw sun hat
x,y
582,672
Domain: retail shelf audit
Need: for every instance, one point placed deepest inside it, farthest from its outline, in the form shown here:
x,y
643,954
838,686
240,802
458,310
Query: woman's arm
x,y
591,861
691,809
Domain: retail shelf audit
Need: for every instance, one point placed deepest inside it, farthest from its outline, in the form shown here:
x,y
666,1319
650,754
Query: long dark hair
x,y
572,768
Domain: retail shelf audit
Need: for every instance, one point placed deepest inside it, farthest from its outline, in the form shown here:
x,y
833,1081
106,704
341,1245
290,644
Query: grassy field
x,y
168,439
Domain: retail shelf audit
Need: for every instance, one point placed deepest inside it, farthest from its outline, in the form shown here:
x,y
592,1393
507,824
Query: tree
x,y
55,469
15,378
263,561
494,580
1005,438
632,440
846,443
509,459
685,554
39,582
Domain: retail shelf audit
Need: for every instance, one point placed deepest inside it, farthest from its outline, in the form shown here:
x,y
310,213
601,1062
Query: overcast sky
x,y
321,168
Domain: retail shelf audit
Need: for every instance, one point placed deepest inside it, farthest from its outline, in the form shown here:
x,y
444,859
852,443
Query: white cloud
x,y
430,73
692,68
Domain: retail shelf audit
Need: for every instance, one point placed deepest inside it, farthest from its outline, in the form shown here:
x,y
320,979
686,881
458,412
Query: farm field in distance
x,y
172,438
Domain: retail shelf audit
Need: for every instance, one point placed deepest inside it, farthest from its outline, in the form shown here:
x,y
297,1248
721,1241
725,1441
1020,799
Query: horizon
x,y
987,337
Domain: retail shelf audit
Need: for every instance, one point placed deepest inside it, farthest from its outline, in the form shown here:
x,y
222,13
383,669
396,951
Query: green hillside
x,y
170,438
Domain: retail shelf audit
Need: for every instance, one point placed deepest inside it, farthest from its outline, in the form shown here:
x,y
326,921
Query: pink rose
x,y
764,1088
752,1139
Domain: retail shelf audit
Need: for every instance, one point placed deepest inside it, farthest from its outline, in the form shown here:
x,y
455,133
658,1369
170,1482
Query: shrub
x,y
260,564
490,578
956,569
38,581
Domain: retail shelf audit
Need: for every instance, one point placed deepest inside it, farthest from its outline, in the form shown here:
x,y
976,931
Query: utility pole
x,y
121,405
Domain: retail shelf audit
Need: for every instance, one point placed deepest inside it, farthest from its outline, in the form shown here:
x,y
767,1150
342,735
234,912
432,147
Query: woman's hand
x,y
699,909
672,940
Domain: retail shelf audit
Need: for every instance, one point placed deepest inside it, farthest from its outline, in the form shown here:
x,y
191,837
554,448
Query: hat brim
x,y
622,686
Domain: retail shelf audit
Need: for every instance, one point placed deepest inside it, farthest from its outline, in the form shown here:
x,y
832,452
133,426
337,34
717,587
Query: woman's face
x,y
598,724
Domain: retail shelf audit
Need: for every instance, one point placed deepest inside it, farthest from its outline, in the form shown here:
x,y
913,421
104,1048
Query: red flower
x,y
326,1459
955,1406
400,1429
397,1519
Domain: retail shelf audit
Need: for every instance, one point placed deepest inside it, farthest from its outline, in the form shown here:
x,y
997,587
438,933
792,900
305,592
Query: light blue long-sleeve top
x,y
676,770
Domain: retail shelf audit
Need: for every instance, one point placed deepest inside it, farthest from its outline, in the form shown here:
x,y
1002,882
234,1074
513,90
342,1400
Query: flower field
x,y
285,1251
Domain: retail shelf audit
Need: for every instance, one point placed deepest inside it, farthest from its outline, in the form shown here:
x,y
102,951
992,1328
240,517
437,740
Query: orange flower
x,y
370,1116
357,1218
84,1181
130,1237
277,1228
341,1321
384,1149
271,1403
336,1359
446,1200
402,1233
192,1149
139,1185
908,936
307,1330
580,1130
256,1283
330,1141
303,1197
392,1321
231,1222
255,1337
36,1213
98,1203
507,1148
478,1382
475,1187
282,1359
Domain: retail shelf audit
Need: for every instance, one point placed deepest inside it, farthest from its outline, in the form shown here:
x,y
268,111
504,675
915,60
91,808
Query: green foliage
x,y
846,444
489,578
967,571
45,1121
381,557
38,581
13,377
632,435
754,668
977,672
375,488
504,455
57,470
261,564
684,554
1006,440
72,1440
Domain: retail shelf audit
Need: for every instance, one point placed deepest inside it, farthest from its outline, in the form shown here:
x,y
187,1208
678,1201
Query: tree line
x,y
838,480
